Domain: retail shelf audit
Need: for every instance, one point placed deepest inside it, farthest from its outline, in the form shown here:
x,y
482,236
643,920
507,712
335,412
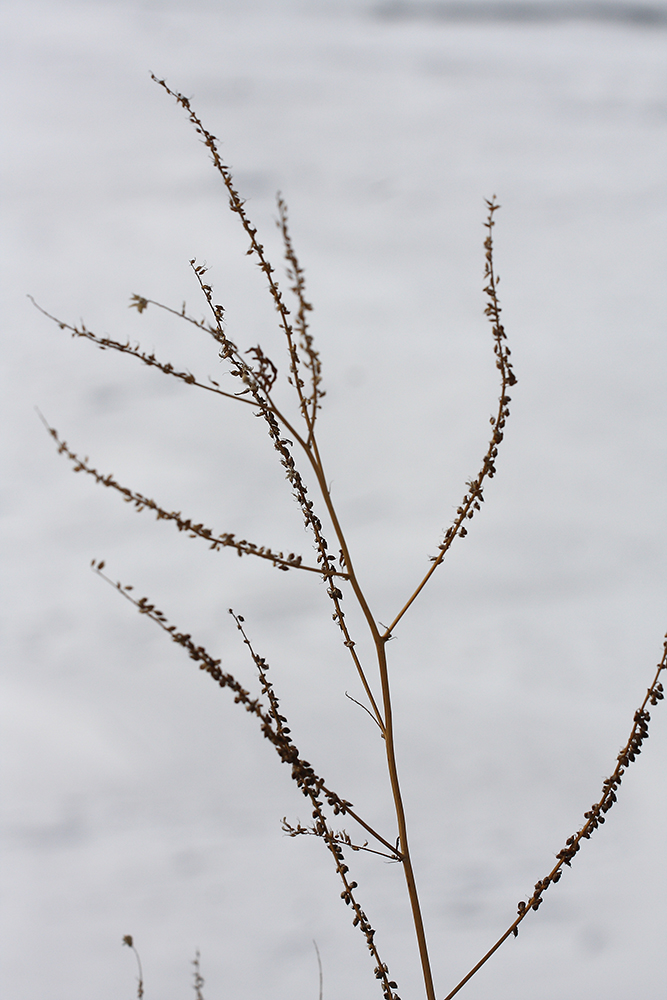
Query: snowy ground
x,y
137,798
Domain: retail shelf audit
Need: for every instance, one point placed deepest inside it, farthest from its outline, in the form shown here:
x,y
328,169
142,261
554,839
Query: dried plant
x,y
295,440
129,941
198,980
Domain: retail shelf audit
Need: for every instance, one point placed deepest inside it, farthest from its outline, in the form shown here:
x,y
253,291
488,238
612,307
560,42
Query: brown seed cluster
x,y
216,542
595,816
473,497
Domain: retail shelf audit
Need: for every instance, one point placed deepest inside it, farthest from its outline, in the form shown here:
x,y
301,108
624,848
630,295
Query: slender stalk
x,y
402,826
473,497
388,729
481,962
380,641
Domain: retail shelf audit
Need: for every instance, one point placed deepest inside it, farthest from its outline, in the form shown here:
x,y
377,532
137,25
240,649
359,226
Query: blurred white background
x,y
138,799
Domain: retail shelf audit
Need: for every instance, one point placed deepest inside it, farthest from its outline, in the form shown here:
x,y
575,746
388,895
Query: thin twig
x,y
127,940
295,273
236,204
319,966
252,705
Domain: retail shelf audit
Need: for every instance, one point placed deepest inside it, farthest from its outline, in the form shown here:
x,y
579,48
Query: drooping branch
x,y
313,787
216,542
267,688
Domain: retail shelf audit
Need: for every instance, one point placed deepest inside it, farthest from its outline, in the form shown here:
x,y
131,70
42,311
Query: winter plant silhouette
x,y
294,438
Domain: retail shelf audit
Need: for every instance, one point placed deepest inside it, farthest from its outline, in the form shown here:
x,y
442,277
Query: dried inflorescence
x,y
129,942
198,980
274,728
217,542
256,376
475,488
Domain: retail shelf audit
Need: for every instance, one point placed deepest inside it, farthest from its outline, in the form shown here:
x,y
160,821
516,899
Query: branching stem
x,y
256,379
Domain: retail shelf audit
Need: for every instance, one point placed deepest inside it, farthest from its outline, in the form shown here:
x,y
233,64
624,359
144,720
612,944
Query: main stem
x,y
380,644
388,727
312,452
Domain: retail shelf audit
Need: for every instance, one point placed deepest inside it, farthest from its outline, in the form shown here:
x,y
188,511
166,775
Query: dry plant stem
x,y
310,789
594,817
127,940
260,388
385,720
273,728
473,497
402,826
198,653
106,343
257,379
236,205
199,981
242,546
319,966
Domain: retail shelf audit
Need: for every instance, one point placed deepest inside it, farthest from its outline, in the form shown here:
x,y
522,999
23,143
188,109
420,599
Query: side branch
x,y
340,835
312,787
275,730
166,368
279,735
473,497
236,204
255,386
217,542
311,404
258,384
324,558
594,817
338,805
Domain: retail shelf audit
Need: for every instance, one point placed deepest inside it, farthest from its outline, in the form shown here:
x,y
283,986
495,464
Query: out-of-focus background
x,y
137,798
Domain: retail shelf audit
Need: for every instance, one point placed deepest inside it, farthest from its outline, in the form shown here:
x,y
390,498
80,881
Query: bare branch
x,y
313,787
275,730
341,836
